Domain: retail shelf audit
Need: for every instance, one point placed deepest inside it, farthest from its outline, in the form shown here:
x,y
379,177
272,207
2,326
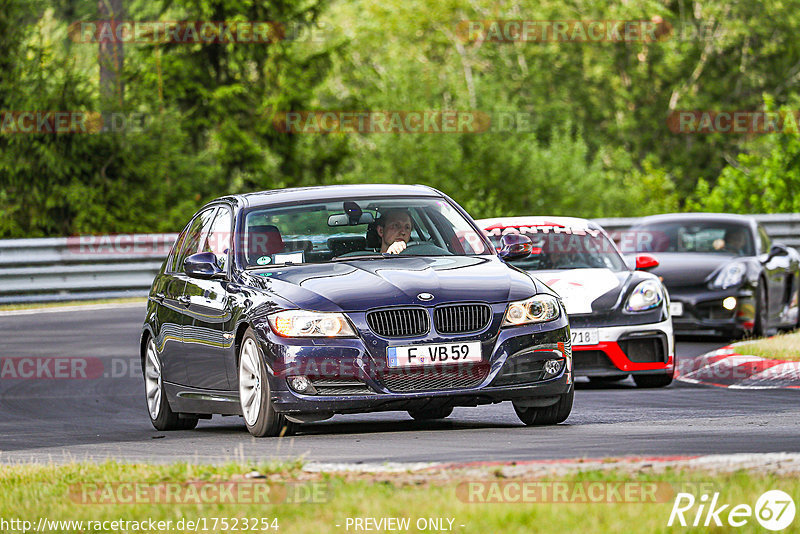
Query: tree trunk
x,y
111,56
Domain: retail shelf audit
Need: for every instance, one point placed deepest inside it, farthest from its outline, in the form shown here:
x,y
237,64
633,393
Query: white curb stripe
x,y
78,308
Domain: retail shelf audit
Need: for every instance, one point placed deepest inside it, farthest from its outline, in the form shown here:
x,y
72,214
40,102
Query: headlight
x,y
731,275
301,323
537,309
645,296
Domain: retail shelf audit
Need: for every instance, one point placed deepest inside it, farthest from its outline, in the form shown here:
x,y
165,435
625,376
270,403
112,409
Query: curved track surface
x,y
60,419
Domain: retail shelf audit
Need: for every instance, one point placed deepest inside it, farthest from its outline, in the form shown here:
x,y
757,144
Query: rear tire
x,y
255,399
431,413
653,381
547,415
161,415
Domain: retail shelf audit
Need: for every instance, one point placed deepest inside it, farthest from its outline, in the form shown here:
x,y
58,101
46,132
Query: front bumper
x,y
704,314
637,349
352,375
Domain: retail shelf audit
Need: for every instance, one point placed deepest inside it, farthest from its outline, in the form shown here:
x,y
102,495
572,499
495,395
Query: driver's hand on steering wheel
x,y
397,247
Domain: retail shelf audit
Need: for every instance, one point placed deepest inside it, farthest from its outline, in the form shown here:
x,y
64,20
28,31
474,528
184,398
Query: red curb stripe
x,y
712,369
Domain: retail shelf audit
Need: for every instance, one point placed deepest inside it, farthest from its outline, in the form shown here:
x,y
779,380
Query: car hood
x,y
358,285
681,269
581,289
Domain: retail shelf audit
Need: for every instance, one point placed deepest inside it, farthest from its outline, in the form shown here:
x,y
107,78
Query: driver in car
x,y
735,241
394,228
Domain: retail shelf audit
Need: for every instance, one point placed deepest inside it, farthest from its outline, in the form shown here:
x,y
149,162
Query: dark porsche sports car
x,y
290,306
724,274
618,314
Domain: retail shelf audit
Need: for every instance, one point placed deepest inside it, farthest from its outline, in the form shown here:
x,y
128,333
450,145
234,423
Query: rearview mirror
x,y
515,246
343,219
202,265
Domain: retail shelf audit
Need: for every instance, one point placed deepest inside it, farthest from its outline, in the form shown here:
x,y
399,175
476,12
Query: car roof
x,y
538,220
705,217
301,194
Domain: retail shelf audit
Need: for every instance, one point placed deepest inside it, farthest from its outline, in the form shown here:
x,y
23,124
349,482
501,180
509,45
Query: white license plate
x,y
440,354
676,308
589,336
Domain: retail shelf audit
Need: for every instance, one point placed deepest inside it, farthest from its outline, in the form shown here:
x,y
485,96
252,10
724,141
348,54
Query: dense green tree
x,y
576,128
763,180
207,127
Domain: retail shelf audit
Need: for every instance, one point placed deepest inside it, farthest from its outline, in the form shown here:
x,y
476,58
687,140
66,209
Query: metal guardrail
x,y
782,227
94,267
79,268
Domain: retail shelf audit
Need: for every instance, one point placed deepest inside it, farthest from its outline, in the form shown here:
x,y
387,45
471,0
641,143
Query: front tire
x,y
653,381
796,300
760,322
161,415
607,379
255,400
547,415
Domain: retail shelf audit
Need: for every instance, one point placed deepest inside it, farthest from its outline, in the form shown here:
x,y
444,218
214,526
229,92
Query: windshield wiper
x,y
373,256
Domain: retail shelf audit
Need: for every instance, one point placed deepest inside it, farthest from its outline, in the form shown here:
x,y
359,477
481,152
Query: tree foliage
x,y
578,128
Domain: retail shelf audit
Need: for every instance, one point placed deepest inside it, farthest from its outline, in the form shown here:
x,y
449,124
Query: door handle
x,y
183,299
159,297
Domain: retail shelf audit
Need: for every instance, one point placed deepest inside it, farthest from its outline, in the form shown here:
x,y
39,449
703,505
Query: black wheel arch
x,y
147,333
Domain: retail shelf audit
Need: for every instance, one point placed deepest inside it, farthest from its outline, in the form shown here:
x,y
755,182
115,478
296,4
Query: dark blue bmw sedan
x,y
293,305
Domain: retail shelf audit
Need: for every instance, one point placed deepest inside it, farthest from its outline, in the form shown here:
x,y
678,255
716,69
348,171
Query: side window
x,y
219,237
195,235
176,246
765,240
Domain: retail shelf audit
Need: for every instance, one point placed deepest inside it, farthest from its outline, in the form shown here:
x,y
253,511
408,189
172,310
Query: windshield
x,y
556,249
335,230
690,236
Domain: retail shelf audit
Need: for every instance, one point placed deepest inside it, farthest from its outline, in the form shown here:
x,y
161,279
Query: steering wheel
x,y
411,245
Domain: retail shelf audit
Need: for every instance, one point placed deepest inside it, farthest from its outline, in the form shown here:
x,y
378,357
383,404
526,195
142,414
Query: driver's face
x,y
736,240
398,228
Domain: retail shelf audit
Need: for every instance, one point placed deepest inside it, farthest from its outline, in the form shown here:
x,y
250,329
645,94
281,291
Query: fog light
x,y
300,384
552,367
729,303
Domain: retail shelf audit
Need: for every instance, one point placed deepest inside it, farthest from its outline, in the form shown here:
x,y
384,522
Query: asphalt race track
x,y
60,419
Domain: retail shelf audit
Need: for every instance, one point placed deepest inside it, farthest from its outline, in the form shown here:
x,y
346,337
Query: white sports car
x,y
618,313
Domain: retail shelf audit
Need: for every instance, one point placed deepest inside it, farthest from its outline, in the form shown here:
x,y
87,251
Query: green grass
x,y
780,347
38,305
30,492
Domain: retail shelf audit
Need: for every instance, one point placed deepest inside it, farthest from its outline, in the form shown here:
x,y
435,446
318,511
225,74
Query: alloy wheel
x,y
250,380
152,380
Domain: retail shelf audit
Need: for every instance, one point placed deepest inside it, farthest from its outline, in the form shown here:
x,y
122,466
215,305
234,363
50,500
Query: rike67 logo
x,y
774,510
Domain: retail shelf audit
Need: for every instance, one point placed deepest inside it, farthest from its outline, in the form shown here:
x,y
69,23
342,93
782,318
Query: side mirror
x,y
202,265
515,246
778,249
645,262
